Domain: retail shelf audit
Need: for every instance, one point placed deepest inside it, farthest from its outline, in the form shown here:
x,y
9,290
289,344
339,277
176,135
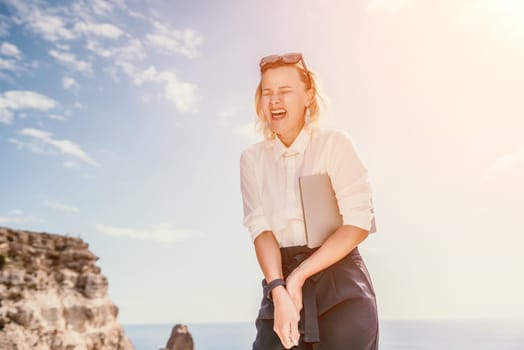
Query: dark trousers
x,y
334,334
351,324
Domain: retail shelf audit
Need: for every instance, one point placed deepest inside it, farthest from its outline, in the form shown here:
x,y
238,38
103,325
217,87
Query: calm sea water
x,y
394,335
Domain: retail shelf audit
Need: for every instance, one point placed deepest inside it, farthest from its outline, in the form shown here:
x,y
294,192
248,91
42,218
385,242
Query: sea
x,y
394,335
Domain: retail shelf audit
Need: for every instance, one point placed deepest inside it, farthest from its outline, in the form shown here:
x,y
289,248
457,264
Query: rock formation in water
x,y
180,339
53,296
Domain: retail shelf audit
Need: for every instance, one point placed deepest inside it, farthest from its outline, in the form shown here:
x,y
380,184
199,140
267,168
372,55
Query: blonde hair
x,y
310,81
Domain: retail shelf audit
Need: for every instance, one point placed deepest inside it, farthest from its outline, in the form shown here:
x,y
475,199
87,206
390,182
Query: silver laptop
x,y
320,208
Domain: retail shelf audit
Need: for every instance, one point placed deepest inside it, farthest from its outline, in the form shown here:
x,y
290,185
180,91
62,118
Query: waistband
x,y
295,255
291,258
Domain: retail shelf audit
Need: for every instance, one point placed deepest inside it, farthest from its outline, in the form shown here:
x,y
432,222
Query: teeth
x,y
278,111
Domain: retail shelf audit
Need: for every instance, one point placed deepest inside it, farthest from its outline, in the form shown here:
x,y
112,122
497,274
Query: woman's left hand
x,y
294,284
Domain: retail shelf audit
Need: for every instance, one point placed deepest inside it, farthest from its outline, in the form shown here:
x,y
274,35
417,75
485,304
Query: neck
x,y
288,139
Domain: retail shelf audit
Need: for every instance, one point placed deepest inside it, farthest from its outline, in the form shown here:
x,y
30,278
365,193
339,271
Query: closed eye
x,y
268,92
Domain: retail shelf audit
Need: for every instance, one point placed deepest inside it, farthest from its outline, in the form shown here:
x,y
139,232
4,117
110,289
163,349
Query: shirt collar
x,y
299,145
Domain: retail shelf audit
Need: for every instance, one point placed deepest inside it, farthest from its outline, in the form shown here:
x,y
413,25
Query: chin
x,y
277,131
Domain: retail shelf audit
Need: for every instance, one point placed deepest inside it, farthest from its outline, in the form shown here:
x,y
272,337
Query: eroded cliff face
x,y
53,296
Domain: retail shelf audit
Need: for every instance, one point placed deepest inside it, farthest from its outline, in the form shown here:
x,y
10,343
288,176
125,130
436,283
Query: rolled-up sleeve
x,y
349,178
254,218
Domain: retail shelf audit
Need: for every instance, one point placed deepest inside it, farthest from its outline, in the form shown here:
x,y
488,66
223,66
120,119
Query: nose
x,y
274,99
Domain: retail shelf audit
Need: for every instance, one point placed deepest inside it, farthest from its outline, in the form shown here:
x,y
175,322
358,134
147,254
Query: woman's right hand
x,y
286,317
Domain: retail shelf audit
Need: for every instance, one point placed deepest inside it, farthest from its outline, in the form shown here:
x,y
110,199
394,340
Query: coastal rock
x,y
53,296
180,339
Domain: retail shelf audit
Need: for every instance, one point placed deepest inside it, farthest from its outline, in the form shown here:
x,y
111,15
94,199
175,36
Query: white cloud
x,y
246,130
139,77
224,117
16,216
61,206
4,25
15,212
97,48
59,23
132,51
169,41
105,30
507,164
43,142
69,83
113,73
95,22
6,115
182,94
6,64
391,6
70,60
164,233
44,22
8,49
18,219
63,47
50,27
19,100
32,147
122,5
228,113
101,7
57,117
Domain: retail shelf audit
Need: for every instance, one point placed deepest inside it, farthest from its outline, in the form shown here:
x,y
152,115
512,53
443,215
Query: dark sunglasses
x,y
288,58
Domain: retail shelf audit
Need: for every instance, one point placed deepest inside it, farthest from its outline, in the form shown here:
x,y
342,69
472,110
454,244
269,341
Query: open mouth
x,y
278,114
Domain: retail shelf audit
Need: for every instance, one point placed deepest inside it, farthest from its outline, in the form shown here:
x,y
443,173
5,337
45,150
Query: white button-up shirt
x,y
269,174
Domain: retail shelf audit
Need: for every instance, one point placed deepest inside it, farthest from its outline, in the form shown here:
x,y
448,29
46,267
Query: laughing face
x,y
284,101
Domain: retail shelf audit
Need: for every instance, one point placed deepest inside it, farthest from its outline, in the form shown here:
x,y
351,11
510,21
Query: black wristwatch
x,y
268,287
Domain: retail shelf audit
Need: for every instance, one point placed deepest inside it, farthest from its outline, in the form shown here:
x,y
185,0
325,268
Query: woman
x,y
314,298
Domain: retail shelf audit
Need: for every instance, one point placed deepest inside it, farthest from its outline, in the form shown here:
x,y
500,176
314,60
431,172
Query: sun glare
x,y
506,17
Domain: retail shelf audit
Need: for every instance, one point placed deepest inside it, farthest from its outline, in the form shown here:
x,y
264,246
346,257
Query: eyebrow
x,y
280,88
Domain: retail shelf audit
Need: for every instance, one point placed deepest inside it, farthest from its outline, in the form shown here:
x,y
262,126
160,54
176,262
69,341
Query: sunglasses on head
x,y
288,58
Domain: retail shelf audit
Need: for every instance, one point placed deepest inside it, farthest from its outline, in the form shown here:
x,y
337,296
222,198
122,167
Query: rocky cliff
x,y
53,296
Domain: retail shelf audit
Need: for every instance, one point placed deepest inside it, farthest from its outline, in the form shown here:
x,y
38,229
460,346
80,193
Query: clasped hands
x,y
288,304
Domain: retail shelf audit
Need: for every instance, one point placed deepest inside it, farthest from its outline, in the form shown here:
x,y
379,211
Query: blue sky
x,y
122,122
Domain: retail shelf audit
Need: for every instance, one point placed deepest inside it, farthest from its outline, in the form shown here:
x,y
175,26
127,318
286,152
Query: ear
x,y
310,94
